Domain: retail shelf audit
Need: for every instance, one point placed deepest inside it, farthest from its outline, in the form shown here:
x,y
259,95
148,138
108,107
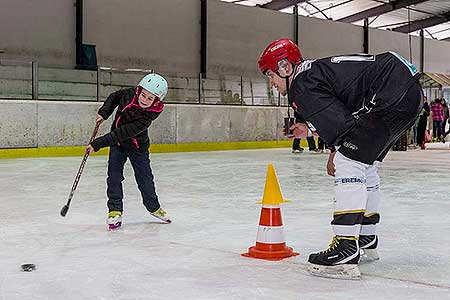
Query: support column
x,y
203,37
78,30
34,80
366,36
422,51
295,13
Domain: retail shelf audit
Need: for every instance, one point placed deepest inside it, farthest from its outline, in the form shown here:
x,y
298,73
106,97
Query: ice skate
x,y
368,247
162,215
114,220
340,260
300,150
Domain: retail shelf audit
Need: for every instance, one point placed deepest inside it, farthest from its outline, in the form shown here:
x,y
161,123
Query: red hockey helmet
x,y
277,51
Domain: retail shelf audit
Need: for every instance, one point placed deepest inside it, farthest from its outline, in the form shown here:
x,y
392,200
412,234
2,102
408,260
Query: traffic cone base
x,y
270,251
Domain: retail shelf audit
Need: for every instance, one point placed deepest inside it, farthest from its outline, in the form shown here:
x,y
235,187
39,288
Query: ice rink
x,y
211,197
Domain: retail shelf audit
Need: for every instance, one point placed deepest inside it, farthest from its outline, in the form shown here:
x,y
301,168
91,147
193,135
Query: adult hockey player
x,y
360,104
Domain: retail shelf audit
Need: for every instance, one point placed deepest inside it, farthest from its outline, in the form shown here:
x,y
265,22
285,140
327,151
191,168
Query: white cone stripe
x,y
270,206
270,235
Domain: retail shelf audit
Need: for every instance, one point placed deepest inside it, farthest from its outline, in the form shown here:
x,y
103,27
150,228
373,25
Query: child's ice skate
x,y
340,260
114,220
162,215
368,245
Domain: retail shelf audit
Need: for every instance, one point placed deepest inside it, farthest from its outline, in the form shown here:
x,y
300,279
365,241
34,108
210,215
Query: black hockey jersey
x,y
332,93
131,122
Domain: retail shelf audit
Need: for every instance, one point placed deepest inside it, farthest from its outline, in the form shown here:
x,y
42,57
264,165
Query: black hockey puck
x,y
28,267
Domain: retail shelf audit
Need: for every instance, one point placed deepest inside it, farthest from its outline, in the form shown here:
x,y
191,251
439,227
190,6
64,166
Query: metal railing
x,y
28,80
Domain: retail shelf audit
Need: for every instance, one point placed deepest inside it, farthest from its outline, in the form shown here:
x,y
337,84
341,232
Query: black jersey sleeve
x,y
110,104
122,133
316,102
332,121
298,118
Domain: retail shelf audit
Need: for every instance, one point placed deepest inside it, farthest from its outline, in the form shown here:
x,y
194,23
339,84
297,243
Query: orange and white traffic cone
x,y
270,240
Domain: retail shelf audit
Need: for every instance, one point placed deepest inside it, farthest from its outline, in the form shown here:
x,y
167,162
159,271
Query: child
x,y
137,108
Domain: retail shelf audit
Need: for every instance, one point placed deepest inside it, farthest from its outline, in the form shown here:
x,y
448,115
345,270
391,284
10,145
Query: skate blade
x,y
346,271
369,255
166,221
115,226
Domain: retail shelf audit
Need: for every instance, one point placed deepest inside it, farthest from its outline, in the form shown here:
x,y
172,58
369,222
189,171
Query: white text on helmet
x,y
276,47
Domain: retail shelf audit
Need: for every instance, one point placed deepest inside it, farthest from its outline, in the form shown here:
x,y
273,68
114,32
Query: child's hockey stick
x,y
80,170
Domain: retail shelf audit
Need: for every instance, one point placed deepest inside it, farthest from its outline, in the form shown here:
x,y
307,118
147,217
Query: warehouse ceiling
x,y
408,16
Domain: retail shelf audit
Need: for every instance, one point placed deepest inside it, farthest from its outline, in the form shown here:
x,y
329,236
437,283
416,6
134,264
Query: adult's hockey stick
x,y
80,170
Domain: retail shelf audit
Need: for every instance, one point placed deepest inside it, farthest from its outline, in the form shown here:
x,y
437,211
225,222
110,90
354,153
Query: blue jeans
x,y
437,129
142,173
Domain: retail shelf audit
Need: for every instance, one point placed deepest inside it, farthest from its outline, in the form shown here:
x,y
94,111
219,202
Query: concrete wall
x,y
165,35
320,38
157,34
18,124
41,30
63,123
437,59
237,35
382,41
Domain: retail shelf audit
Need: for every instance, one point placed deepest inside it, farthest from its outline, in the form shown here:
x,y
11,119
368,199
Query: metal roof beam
x,y
424,23
379,10
281,4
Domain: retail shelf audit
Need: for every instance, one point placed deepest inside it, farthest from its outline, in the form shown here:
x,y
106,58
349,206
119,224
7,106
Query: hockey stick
x,y
80,170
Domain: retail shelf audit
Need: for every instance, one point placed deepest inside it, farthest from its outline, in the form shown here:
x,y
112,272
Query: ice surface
x,y
211,197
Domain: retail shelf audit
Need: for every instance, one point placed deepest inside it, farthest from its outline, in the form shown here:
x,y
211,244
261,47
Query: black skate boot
x,y
340,260
368,245
298,150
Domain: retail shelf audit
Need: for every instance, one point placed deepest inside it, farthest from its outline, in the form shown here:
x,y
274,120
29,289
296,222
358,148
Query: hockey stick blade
x,y
64,210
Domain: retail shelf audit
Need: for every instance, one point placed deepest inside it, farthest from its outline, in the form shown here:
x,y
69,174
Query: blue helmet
x,y
155,84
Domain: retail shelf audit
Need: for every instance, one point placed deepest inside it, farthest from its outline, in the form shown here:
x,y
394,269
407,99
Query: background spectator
x,y
437,113
422,124
446,115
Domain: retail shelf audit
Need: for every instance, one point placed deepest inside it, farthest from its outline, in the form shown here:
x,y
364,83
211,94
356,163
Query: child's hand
x,y
89,149
99,119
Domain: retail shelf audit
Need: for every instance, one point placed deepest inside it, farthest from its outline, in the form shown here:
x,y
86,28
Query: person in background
x,y
422,124
296,148
437,113
446,115
447,120
321,145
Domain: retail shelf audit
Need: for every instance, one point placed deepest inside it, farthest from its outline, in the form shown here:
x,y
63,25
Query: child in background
x,y
137,108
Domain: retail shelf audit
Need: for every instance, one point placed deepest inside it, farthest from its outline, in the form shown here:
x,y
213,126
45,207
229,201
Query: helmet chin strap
x,y
287,85
287,78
